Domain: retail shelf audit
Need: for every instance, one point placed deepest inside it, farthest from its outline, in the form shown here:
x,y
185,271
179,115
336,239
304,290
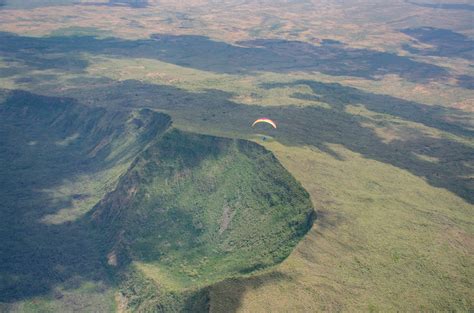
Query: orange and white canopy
x,y
265,120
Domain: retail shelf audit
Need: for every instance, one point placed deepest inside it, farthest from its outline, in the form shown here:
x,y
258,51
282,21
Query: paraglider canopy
x,y
265,120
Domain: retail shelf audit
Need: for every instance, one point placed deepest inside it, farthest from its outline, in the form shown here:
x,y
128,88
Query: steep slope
x,y
96,200
193,210
57,160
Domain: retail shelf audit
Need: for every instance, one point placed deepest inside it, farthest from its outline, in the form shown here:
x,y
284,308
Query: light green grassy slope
x,y
384,241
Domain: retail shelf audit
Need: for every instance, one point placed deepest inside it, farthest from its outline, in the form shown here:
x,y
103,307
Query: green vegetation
x,y
57,160
143,294
202,209
198,208
382,235
375,115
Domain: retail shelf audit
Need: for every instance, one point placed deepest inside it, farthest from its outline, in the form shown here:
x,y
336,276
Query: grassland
x,y
385,152
382,235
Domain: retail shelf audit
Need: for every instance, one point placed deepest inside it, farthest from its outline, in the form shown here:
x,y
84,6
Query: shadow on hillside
x,y
36,257
442,161
138,4
442,42
20,4
199,52
229,293
444,6
339,96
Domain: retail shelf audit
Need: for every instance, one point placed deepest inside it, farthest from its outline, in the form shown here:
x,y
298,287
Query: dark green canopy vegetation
x,y
198,208
194,210
217,205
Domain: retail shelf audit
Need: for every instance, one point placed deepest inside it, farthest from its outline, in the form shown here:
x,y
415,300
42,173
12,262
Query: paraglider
x,y
265,120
